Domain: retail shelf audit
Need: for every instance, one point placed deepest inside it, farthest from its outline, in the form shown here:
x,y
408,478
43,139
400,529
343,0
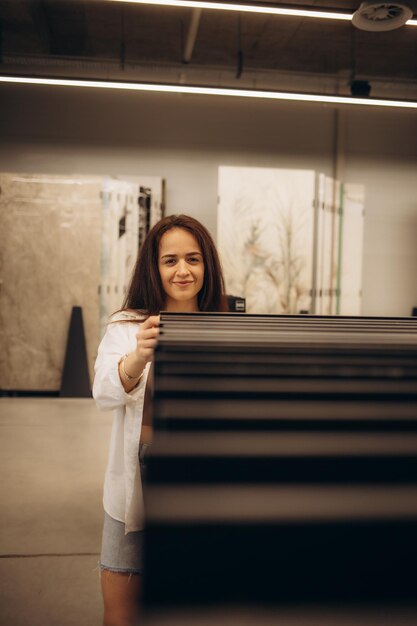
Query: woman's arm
x,y
112,388
131,366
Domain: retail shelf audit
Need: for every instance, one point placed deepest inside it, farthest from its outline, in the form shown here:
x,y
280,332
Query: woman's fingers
x,y
149,343
153,320
150,333
147,337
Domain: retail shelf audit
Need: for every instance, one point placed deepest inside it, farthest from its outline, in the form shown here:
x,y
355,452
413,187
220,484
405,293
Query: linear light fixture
x,y
249,8
209,91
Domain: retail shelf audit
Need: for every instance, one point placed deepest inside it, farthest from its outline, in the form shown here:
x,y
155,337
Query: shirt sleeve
x,y
108,391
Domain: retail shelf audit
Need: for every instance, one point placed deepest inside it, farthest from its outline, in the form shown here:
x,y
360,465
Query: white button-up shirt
x,y
122,495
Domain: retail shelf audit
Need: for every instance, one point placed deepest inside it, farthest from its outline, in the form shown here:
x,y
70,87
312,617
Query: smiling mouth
x,y
182,283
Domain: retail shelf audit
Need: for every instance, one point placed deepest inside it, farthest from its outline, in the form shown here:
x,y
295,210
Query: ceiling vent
x,y
380,16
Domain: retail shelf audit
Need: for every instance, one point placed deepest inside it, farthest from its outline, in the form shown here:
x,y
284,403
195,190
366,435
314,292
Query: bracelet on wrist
x,y
122,362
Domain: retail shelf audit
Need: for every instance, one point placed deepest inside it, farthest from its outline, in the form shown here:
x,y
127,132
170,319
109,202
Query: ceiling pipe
x,y
191,35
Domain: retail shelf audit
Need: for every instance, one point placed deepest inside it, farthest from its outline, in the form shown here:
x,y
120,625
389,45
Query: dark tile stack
x,y
284,464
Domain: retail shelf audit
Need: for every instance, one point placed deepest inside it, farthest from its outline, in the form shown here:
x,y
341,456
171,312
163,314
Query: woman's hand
x,y
131,367
147,338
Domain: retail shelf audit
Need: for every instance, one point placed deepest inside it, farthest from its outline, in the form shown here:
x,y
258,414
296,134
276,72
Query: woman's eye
x,y
170,262
193,260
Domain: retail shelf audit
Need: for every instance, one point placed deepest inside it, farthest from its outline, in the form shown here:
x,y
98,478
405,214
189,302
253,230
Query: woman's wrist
x,y
131,367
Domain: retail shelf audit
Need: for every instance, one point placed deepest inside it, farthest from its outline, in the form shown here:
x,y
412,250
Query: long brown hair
x,y
145,292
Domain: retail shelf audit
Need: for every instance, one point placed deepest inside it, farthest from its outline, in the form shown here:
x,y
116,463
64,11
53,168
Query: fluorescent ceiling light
x,y
210,91
246,8
249,8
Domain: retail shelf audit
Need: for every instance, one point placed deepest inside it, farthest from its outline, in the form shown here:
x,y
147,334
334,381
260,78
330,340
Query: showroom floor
x,y
53,456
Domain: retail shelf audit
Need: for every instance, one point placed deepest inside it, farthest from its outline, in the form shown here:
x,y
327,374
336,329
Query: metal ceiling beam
x,y
191,35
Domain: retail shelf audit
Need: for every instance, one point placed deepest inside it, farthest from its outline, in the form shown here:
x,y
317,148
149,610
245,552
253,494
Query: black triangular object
x,y
75,382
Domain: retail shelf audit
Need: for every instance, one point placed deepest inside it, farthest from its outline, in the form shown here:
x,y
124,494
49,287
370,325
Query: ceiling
x,y
102,39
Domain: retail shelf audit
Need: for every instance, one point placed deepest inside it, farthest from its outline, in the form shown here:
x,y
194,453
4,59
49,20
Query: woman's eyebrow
x,y
165,256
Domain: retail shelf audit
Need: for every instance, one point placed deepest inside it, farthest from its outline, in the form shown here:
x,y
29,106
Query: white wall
x,y
185,139
382,153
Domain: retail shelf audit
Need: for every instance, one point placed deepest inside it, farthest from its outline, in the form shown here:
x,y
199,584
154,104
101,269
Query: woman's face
x,y
181,267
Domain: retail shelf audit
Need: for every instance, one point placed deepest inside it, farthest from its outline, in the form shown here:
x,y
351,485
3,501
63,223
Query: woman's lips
x,y
183,283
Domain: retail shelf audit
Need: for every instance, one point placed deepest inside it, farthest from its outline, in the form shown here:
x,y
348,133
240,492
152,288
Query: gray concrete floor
x,y
53,457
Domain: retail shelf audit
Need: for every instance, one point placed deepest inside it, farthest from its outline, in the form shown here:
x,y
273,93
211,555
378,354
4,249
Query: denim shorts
x,y
120,552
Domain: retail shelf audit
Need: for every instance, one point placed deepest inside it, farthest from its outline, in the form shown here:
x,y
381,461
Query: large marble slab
x,y
49,262
266,221
119,244
327,238
131,206
353,220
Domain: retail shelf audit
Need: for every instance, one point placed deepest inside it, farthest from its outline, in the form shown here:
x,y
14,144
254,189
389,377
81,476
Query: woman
x,y
178,269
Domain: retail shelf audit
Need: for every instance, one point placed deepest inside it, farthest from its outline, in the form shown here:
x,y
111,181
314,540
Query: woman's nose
x,y
182,268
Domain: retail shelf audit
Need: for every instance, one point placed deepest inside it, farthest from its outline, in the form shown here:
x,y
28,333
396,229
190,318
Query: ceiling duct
x,y
381,16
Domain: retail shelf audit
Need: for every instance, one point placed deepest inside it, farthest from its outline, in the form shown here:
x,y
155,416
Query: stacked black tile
x,y
284,463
